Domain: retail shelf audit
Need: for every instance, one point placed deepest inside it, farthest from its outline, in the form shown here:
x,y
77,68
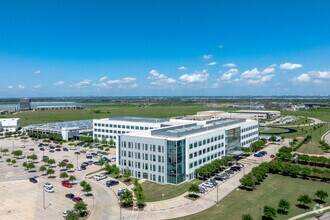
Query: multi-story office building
x,y
9,124
25,104
171,154
111,128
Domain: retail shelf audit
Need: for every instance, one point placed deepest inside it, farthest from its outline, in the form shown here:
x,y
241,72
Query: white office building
x,y
9,124
111,128
171,154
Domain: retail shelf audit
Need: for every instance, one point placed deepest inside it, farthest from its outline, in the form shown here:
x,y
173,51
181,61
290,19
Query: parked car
x,y
113,159
272,156
31,149
73,148
77,199
263,152
69,195
67,184
98,177
77,152
43,157
90,162
85,164
257,155
48,185
120,191
111,183
65,214
83,214
51,151
213,182
42,149
201,190
89,157
57,149
33,180
65,149
66,160
52,147
49,190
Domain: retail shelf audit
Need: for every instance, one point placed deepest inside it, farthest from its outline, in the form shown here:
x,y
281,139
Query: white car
x,y
98,177
21,157
113,159
65,214
49,190
73,148
48,185
79,169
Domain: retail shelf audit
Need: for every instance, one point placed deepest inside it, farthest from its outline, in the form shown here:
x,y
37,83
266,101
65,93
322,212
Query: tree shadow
x,y
319,201
282,212
302,206
267,218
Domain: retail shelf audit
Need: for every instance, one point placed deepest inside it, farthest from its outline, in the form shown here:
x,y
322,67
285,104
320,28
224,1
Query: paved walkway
x,y
180,206
311,212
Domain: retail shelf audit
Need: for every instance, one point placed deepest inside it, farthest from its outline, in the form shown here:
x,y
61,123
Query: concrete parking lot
x,y
24,200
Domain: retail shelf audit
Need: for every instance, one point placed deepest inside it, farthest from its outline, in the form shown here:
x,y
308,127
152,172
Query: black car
x,y
85,164
89,157
111,183
33,180
58,149
77,152
42,149
65,149
69,195
51,151
31,149
52,147
45,157
83,167
83,214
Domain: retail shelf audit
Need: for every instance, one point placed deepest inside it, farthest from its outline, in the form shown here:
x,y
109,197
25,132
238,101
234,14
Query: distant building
x,y
48,108
10,109
9,124
259,114
25,104
2,112
68,130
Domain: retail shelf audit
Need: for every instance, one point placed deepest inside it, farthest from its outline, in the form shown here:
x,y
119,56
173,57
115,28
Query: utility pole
x,y
43,196
77,160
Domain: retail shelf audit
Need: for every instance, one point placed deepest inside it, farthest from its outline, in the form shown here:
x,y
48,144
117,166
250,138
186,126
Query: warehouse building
x,y
49,108
259,114
171,154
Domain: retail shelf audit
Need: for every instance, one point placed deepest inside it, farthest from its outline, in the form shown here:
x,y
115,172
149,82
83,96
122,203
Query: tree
x,y
126,198
87,188
50,171
140,198
80,206
4,151
64,175
193,188
45,160
62,164
246,217
269,212
101,162
32,157
304,200
72,178
283,206
112,169
13,162
69,166
17,153
42,169
8,161
83,183
51,162
321,194
247,181
72,215
30,166
127,175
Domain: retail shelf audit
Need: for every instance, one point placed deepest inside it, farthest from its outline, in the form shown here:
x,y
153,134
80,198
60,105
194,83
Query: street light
x,y
43,196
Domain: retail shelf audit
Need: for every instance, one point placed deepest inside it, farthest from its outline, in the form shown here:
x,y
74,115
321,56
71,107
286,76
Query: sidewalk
x,y
181,206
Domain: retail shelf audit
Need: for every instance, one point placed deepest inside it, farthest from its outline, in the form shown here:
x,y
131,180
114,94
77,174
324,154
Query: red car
x,y
77,199
67,184
66,160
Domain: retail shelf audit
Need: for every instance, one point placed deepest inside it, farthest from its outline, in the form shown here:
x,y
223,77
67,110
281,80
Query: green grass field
x,y
157,110
274,188
321,113
154,191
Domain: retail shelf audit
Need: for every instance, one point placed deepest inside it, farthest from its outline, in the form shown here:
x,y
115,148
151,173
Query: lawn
x,y
270,130
320,113
274,188
163,110
154,191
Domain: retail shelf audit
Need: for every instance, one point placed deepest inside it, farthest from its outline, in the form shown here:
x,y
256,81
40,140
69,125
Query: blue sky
x,y
172,47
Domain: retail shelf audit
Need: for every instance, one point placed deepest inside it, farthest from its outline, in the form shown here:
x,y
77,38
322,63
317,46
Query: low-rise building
x,y
9,124
171,154
49,108
259,114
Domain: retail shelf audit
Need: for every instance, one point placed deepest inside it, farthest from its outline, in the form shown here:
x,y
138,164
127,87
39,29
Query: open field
x,y
274,188
95,112
154,191
321,113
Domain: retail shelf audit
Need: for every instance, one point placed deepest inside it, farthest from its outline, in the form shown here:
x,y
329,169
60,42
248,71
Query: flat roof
x,y
256,111
137,119
81,125
193,128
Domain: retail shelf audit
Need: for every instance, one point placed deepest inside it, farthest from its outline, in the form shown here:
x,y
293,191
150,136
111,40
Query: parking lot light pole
x,y
77,160
217,193
43,196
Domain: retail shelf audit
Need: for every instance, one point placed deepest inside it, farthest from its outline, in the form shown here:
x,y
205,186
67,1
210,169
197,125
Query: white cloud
x,y
21,86
269,70
227,76
321,74
159,79
207,57
212,64
37,72
229,65
59,83
260,80
126,82
250,73
10,87
301,78
290,66
220,46
182,68
82,84
195,77
37,86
